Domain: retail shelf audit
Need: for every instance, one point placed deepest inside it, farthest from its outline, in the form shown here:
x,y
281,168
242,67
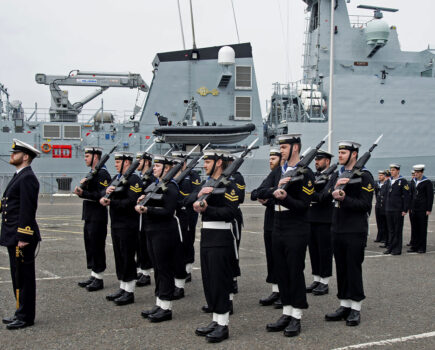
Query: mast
x,y
181,25
193,26
331,77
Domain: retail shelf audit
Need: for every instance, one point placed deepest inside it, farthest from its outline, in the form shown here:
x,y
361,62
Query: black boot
x,y
354,318
279,325
218,334
294,328
270,299
277,304
321,289
178,293
7,320
146,313
143,281
125,299
115,295
160,316
203,331
96,284
340,314
83,284
313,285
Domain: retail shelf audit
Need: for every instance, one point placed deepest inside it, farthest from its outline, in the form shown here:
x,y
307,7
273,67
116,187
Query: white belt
x,y
280,208
217,225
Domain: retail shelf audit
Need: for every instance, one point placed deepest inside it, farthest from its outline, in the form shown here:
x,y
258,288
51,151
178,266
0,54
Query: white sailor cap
x,y
418,167
144,155
123,156
159,159
178,153
381,172
274,152
323,154
20,146
176,160
93,150
289,138
214,154
349,145
395,165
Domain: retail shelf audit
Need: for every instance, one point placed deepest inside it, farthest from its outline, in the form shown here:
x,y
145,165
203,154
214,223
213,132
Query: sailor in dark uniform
x,y
290,234
239,181
95,217
349,234
218,248
274,162
381,219
320,217
411,214
385,189
397,204
124,222
421,208
20,232
144,264
163,235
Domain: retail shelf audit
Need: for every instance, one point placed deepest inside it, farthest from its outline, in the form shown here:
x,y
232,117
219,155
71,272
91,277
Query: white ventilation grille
x,y
243,77
243,107
51,131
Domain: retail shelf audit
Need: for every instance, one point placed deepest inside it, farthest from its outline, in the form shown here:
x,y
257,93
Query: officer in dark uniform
x,y
349,234
290,234
124,222
20,232
397,204
274,162
144,264
421,208
163,237
381,219
95,217
320,217
218,248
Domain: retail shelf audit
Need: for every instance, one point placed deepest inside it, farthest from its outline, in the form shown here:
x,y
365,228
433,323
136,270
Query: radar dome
x,y
377,32
226,55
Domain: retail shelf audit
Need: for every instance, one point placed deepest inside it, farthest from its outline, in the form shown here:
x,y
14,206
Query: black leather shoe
x,y
235,287
218,334
206,309
294,328
160,316
321,289
353,319
7,320
383,246
203,331
411,250
189,278
312,286
17,324
421,251
178,293
115,295
146,313
408,244
279,325
387,251
377,241
96,284
270,299
340,314
143,281
277,304
125,299
83,284
396,253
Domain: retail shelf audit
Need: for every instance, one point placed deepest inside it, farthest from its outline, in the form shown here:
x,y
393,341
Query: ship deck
x,y
397,314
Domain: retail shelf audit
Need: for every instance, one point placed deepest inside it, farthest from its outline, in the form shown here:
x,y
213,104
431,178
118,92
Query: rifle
x,y
151,192
357,168
123,180
325,174
302,167
224,178
100,164
189,167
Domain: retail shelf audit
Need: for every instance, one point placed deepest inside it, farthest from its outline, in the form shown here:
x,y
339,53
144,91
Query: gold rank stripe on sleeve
x,y
196,182
184,194
240,187
26,231
136,189
105,184
307,190
368,189
231,198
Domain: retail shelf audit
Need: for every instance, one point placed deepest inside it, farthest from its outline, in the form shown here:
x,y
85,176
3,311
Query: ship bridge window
x,y
243,77
51,131
72,132
242,108
314,17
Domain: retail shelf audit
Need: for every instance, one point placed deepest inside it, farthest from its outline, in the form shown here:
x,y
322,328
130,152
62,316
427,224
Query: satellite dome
x,y
226,55
377,32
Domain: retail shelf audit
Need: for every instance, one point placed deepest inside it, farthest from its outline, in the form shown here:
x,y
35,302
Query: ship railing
x,y
359,21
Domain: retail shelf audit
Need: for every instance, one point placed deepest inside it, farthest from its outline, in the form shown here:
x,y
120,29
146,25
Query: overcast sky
x,y
54,37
